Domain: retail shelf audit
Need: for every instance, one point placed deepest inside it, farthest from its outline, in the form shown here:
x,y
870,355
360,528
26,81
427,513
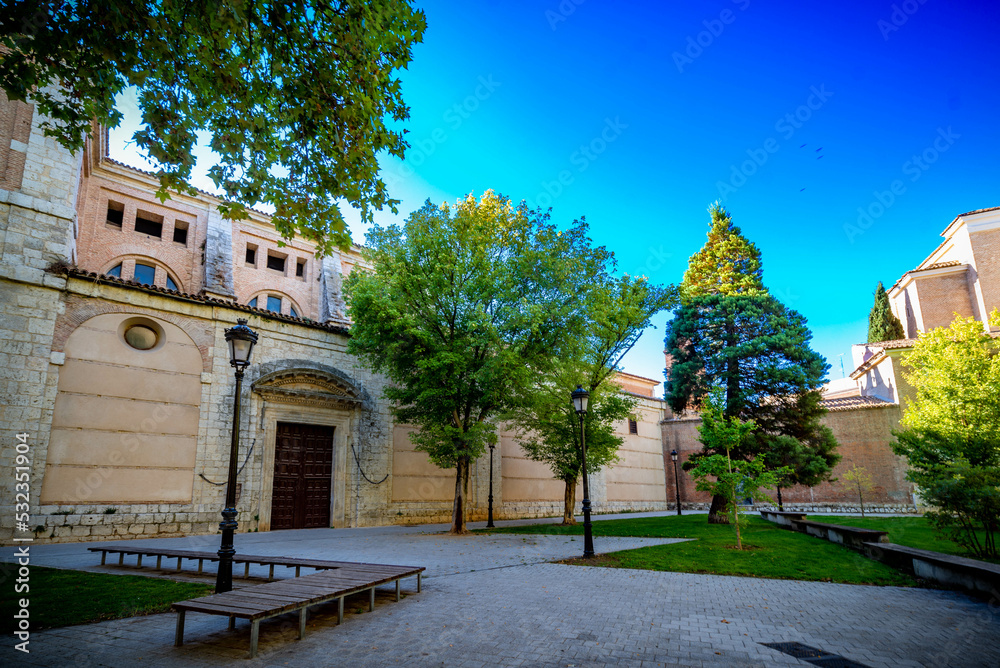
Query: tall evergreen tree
x,y
730,333
883,325
727,264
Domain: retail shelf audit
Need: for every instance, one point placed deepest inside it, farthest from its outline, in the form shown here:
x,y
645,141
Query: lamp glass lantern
x,y
241,341
580,399
673,455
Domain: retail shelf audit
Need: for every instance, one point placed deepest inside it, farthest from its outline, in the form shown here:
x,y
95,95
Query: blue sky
x,y
639,115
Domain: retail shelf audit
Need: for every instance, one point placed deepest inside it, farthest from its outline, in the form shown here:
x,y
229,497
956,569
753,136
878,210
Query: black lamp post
x,y
677,481
489,516
241,340
580,398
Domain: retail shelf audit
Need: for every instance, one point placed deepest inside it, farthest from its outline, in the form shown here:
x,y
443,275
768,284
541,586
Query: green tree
x,y
883,325
757,351
734,479
731,333
618,310
809,461
858,479
464,307
728,263
295,96
951,430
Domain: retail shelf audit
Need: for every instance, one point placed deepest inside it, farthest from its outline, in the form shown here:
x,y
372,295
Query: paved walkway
x,y
498,601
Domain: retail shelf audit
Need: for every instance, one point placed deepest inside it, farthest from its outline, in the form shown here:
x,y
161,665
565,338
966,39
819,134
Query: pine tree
x,y
883,325
727,264
731,334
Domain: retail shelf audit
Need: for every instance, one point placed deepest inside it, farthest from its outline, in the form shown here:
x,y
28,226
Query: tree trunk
x,y
716,514
569,517
461,492
861,498
731,409
781,506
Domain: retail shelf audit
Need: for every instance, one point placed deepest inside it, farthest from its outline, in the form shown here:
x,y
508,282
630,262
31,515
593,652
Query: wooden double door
x,y
303,467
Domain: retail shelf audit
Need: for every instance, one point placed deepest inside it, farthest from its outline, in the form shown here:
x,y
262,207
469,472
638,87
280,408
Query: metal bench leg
x,y
297,569
200,564
302,622
232,623
121,558
179,562
158,557
418,583
397,591
340,610
254,634
270,575
104,555
138,563
246,571
179,633
371,599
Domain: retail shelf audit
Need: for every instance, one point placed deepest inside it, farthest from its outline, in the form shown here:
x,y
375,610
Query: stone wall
x,y
37,219
128,442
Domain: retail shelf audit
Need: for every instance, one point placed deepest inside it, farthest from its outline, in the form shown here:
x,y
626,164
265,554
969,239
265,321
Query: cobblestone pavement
x,y
496,601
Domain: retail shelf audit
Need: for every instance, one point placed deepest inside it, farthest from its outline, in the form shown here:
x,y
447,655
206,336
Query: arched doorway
x,y
309,415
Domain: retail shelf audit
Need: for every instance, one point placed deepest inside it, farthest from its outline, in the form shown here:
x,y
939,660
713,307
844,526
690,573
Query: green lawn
x,y
772,552
915,532
62,597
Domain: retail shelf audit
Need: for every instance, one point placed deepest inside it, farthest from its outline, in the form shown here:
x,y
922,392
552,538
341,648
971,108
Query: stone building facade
x,y
115,370
961,277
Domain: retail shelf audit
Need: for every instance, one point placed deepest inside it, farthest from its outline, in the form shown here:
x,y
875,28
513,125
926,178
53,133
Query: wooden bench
x,y
264,601
201,557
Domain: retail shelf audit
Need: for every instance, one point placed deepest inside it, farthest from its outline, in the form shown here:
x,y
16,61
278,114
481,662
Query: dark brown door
x,y
303,464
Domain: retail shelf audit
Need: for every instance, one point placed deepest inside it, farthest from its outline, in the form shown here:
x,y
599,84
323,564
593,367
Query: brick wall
x,y
102,245
942,297
864,436
986,246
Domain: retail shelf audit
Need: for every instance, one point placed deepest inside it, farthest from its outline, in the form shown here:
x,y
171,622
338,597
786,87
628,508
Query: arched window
x,y
276,303
145,273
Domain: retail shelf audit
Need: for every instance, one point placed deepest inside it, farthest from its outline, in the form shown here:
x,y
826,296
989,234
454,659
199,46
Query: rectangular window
x,y
251,258
180,232
633,426
300,269
274,304
276,262
116,214
149,223
144,274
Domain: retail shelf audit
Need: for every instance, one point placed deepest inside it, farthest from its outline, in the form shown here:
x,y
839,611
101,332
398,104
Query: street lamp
x,y
241,340
677,481
489,516
580,398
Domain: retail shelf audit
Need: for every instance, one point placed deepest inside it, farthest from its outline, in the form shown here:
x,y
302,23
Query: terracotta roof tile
x,y
263,313
854,403
969,213
895,343
941,265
